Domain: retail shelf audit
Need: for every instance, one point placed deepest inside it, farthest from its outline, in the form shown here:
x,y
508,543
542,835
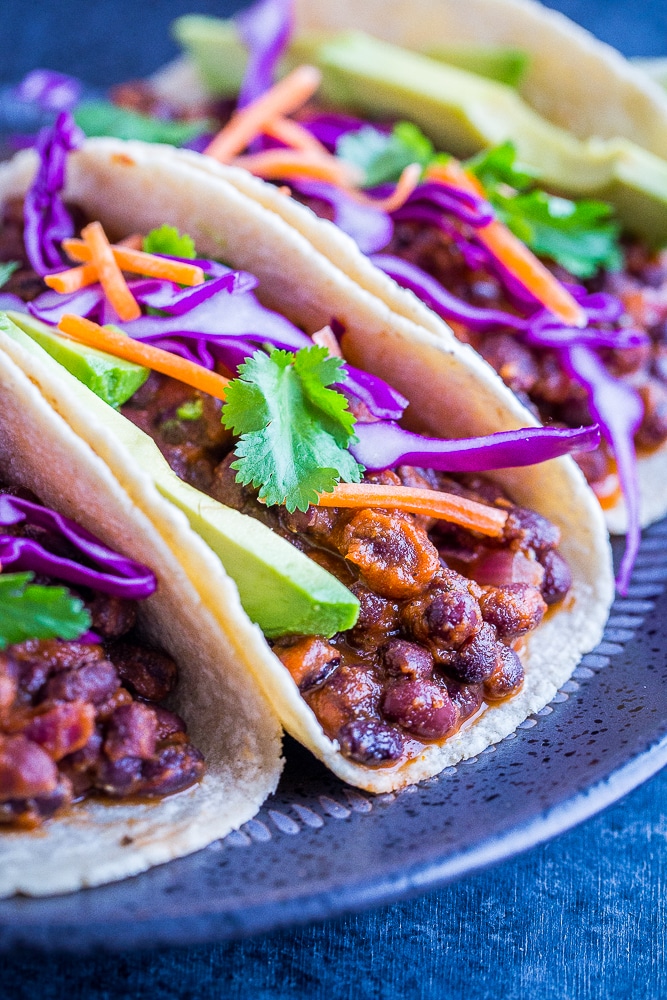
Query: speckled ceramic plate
x,y
318,849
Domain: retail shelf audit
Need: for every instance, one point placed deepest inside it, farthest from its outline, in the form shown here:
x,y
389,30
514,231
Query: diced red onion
x,y
502,566
383,445
117,575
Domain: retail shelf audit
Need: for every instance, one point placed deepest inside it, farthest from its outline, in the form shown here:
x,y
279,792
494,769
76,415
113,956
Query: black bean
x,y
513,610
557,577
506,678
406,659
478,657
423,708
370,742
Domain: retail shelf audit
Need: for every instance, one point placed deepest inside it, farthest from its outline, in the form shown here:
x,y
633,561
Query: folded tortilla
x,y
133,187
231,723
574,80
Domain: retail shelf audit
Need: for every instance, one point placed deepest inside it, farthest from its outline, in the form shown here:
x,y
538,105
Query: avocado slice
x,y
507,66
460,111
112,379
281,589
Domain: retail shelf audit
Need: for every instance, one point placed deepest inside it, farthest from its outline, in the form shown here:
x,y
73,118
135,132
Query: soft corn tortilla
x,y
574,80
228,719
134,187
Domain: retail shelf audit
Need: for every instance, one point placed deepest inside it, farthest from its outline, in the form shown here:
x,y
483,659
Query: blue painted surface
x,y
580,917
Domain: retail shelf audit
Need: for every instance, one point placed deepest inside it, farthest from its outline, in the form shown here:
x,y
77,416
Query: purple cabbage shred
x,y
49,90
110,572
47,221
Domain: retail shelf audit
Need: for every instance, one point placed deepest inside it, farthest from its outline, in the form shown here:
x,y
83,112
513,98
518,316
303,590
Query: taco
x,y
571,165
383,654
98,778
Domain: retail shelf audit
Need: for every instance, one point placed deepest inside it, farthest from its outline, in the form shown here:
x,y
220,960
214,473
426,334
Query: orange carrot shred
x,y
285,163
286,96
407,182
122,346
294,135
72,279
519,260
139,262
109,274
459,510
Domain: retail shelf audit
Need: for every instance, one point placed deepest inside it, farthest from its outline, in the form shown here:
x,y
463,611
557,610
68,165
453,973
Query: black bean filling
x,y
82,718
441,608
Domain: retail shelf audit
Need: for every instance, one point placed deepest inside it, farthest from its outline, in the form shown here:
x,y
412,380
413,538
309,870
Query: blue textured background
x,y
580,917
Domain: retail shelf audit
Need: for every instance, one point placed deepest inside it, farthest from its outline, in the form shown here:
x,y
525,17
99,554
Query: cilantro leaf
x,y
383,157
7,270
167,240
581,236
104,118
31,611
499,166
294,430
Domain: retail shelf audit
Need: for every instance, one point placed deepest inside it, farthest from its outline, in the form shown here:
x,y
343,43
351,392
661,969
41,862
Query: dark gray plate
x,y
318,849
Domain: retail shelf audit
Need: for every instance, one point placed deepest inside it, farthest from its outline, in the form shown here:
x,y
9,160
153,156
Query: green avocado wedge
x,y
112,379
281,589
461,111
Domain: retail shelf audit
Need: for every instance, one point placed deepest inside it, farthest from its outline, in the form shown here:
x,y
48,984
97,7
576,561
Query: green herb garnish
x,y
581,236
104,118
294,430
7,269
382,157
191,409
31,611
167,240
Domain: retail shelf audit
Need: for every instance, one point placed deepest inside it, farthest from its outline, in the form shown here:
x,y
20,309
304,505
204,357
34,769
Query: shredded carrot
x,y
407,182
122,346
285,191
109,274
139,262
294,135
278,163
512,253
72,279
327,338
286,96
459,510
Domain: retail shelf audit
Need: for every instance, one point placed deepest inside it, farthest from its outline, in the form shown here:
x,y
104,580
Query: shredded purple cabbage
x,y
328,128
369,227
442,302
49,90
618,408
384,445
47,221
265,30
116,575
8,301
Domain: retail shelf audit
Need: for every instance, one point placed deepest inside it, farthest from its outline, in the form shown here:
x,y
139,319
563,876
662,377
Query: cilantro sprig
x,y
31,611
381,156
294,431
582,236
167,240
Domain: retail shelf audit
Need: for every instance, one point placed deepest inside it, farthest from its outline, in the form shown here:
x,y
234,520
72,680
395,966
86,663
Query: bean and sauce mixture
x,y
83,718
443,609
